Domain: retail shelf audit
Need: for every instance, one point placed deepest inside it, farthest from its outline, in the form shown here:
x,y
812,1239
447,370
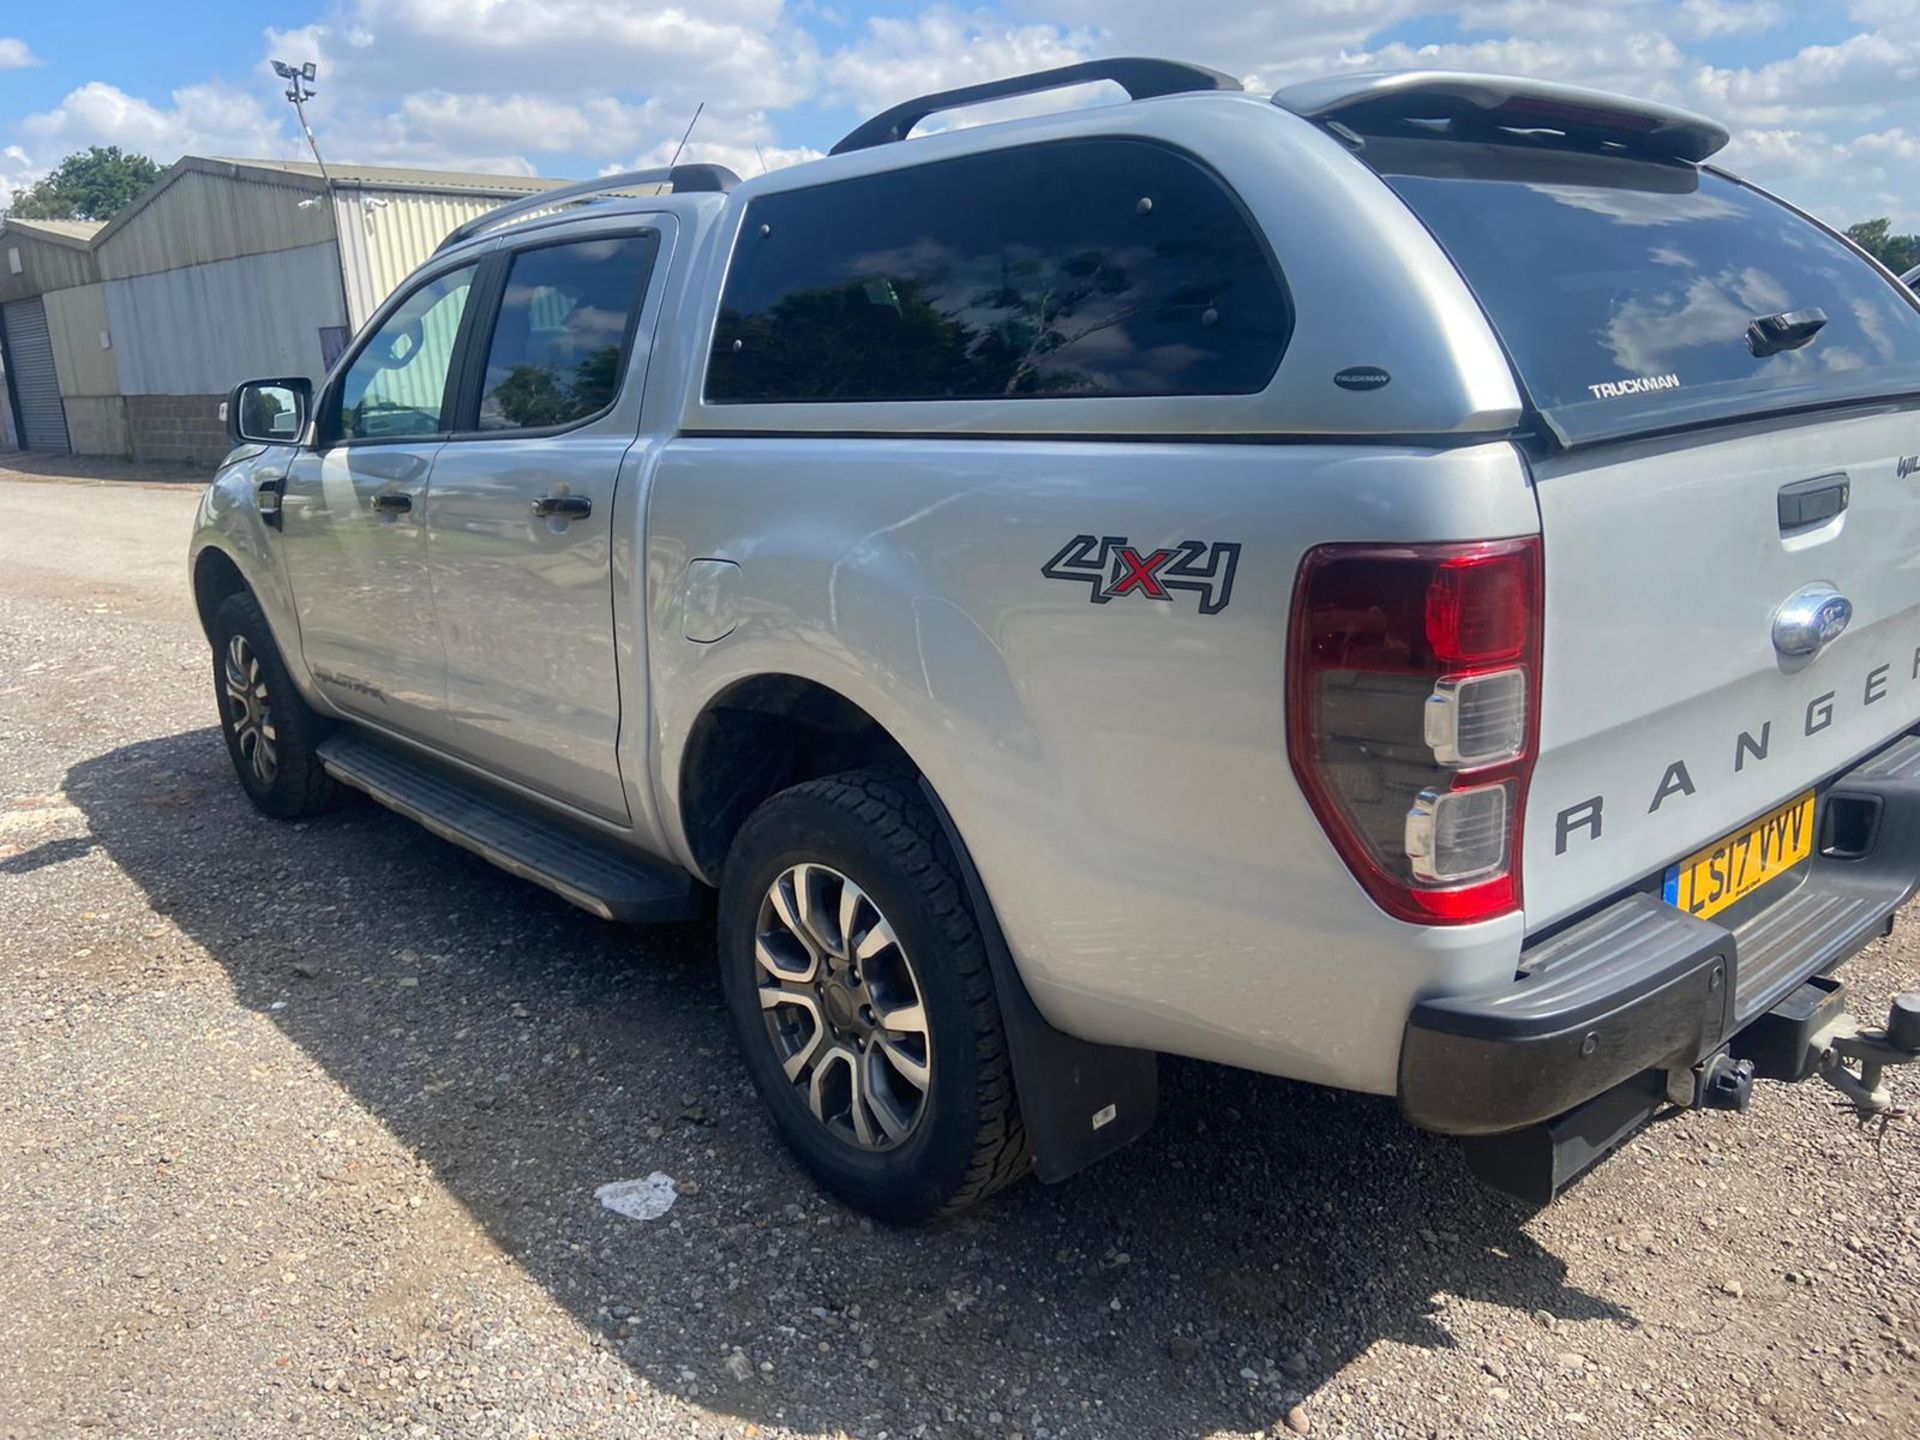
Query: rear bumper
x,y
1642,987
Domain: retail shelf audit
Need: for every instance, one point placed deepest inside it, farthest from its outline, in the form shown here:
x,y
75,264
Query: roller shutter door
x,y
30,373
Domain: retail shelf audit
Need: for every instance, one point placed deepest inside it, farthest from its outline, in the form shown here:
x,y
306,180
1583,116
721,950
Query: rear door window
x,y
1623,288
560,336
1076,268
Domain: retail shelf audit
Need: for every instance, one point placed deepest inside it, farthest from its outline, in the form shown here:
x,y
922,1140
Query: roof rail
x,y
1141,79
679,180
1365,102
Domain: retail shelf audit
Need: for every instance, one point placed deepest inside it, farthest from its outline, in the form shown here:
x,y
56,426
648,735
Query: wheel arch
x,y
759,735
216,575
766,732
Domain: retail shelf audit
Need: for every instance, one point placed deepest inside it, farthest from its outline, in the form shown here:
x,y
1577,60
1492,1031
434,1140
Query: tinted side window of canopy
x,y
1075,268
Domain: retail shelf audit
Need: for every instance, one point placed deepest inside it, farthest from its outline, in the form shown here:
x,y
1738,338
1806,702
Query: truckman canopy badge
x,y
1810,618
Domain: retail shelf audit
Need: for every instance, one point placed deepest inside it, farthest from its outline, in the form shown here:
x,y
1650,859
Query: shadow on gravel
x,y
51,852
1262,1225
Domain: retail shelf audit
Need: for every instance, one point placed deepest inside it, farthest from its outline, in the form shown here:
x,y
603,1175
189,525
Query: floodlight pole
x,y
299,91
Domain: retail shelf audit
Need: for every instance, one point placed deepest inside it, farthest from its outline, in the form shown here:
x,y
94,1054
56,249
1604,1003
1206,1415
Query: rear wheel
x,y
863,999
271,733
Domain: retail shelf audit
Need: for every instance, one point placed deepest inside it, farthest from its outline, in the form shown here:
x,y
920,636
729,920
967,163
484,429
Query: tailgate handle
x,y
1812,502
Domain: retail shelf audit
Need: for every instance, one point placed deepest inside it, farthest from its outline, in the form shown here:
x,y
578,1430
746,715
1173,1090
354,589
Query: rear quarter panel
x,y
1118,770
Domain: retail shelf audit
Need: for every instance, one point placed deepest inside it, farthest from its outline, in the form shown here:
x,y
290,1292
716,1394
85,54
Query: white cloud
x,y
1265,43
203,119
895,58
534,123
1712,19
560,85
716,50
511,84
737,150
17,172
1840,179
1859,75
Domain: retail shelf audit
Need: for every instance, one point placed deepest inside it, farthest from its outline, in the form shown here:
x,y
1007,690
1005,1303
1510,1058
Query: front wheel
x,y
271,733
864,1001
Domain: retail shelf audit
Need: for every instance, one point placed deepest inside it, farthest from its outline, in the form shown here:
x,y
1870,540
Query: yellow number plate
x,y
1729,870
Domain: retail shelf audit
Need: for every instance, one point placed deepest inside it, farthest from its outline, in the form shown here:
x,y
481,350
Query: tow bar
x,y
1811,1033
1873,1050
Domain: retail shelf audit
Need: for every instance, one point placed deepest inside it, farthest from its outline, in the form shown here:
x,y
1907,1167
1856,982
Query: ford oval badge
x,y
1810,618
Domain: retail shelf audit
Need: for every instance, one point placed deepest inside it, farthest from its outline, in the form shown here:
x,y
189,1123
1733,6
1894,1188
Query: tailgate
x,y
1735,397
1668,715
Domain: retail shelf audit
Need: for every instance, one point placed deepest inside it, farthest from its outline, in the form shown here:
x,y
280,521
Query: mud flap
x,y
1080,1101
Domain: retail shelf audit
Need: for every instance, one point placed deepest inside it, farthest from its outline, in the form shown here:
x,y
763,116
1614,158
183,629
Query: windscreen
x,y
1625,289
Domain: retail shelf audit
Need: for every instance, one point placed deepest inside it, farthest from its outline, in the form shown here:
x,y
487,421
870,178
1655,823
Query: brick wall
x,y
176,427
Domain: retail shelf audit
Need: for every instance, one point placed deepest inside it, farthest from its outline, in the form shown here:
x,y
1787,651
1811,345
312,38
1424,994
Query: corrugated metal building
x,y
44,266
221,270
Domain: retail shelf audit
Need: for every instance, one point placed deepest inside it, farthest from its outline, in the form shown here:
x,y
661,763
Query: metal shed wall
x,y
44,265
387,234
185,337
77,317
201,218
202,329
89,377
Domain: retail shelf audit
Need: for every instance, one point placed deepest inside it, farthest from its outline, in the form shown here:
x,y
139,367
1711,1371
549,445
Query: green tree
x,y
91,185
1899,253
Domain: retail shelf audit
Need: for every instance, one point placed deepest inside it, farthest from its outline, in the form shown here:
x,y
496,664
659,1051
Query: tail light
x,y
1413,713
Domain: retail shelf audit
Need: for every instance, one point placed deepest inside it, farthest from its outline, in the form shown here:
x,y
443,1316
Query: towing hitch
x,y
1810,1033
1844,1042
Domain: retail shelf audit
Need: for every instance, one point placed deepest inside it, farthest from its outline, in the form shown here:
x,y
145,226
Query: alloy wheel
x,y
843,1007
250,711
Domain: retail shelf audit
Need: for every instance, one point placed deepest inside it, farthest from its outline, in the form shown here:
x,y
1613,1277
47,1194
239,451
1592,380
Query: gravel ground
x,y
302,1127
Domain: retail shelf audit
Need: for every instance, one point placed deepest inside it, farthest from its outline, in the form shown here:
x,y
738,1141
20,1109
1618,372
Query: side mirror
x,y
269,412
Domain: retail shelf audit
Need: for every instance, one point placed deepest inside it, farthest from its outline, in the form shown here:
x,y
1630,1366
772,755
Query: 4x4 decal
x,y
1112,567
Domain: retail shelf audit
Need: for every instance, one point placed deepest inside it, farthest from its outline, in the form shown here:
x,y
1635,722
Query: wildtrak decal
x,y
347,682
1585,821
1639,385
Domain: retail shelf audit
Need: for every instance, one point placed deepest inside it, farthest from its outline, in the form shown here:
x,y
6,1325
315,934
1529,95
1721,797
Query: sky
x,y
1822,96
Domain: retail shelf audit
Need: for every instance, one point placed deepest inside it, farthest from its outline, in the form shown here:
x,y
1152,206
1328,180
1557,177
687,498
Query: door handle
x,y
390,504
563,507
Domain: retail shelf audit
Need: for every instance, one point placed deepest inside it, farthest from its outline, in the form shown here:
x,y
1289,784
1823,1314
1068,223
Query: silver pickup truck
x,y
1411,584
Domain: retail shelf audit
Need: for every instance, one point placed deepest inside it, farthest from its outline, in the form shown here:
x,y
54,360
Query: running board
x,y
599,879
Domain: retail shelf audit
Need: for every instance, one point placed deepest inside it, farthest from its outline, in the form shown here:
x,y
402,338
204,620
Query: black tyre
x,y
271,733
864,1001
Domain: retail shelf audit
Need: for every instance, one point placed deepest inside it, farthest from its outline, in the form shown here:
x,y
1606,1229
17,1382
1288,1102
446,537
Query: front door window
x,y
396,387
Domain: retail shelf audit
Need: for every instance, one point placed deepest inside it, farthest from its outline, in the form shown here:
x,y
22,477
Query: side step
x,y
599,879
